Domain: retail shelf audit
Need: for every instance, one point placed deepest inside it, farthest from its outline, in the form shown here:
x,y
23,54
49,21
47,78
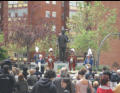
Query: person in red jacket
x,y
104,85
72,60
51,59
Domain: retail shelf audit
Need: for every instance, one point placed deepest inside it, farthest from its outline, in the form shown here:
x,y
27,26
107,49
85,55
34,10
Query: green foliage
x,y
48,42
1,37
91,24
3,54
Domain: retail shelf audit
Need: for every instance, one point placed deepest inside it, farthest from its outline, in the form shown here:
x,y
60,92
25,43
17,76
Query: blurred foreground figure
x,y
7,81
45,85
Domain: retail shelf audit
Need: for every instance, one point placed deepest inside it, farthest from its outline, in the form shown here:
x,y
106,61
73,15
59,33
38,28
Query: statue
x,y
62,43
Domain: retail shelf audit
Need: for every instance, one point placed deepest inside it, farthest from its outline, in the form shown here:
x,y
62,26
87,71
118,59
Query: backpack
x,y
88,88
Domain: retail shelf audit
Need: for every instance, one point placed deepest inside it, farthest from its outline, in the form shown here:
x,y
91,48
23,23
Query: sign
x,y
58,66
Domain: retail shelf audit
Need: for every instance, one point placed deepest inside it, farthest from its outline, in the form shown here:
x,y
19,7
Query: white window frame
x,y
54,28
47,15
47,2
54,14
63,3
54,2
0,5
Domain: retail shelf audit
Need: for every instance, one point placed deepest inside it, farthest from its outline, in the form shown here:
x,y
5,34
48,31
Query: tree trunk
x,y
28,50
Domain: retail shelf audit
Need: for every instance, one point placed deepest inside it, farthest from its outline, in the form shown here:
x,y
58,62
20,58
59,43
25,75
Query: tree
x,y
25,35
91,24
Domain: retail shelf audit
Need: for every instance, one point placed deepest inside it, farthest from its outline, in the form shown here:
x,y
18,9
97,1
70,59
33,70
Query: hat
x,y
73,49
50,49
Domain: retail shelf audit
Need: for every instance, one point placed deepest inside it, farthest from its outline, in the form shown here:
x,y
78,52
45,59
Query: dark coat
x,y
32,79
22,87
44,86
7,83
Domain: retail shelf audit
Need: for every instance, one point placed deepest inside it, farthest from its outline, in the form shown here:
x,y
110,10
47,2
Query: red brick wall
x,y
39,8
113,55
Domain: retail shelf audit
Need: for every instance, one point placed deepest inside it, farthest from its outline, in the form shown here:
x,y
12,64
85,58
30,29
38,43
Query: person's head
x,y
14,70
63,32
17,71
6,69
25,69
40,56
37,68
104,79
32,71
20,77
50,74
107,73
104,68
96,76
64,72
66,84
82,73
95,84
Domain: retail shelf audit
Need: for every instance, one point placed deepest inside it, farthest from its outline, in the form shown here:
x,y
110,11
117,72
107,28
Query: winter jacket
x,y
7,83
44,86
22,87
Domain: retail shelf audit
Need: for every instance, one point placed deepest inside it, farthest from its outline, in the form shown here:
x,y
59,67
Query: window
x,y
0,5
73,3
54,2
54,14
71,13
47,2
53,28
62,28
47,14
62,3
18,12
81,3
12,2
63,16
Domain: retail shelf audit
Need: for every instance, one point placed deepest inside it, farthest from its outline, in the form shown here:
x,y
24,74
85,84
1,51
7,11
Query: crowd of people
x,y
33,81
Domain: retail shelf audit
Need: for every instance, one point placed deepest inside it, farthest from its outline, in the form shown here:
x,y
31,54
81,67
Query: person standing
x,y
62,43
104,84
7,81
72,59
51,59
45,85
83,84
40,63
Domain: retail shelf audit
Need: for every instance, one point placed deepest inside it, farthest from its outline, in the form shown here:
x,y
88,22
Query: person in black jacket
x,y
45,85
7,81
25,73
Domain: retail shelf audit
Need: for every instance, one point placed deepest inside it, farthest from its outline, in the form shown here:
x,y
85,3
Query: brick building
x,y
33,11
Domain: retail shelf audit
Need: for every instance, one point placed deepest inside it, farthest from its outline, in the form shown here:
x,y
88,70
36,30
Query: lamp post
x,y
101,44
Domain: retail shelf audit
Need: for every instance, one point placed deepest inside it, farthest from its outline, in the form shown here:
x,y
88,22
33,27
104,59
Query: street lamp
x,y
102,42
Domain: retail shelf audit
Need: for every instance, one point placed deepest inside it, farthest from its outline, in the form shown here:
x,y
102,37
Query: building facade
x,y
34,11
